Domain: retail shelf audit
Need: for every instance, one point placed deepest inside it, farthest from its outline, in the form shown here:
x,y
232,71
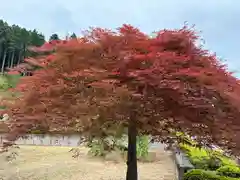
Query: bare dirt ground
x,y
56,163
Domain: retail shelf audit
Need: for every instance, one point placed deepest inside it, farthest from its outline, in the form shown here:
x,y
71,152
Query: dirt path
x,y
55,163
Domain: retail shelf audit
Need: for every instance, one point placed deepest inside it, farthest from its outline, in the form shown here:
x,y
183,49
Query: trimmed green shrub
x,y
230,171
206,163
198,174
206,159
209,164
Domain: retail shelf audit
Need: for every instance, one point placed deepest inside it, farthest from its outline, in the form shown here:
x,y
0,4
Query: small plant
x,y
142,147
100,147
75,152
97,148
11,154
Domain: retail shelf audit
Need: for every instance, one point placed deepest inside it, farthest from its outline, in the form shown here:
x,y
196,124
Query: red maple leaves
x,y
168,80
48,46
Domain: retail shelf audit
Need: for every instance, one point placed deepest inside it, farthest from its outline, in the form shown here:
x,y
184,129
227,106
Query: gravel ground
x,y
55,163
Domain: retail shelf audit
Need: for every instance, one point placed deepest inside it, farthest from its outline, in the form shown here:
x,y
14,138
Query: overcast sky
x,y
219,20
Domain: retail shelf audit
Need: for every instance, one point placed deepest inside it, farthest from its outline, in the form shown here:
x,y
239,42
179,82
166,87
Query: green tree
x,y
54,37
4,36
37,39
14,43
73,36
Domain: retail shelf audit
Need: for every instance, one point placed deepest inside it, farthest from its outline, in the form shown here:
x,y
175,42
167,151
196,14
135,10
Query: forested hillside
x,y
14,43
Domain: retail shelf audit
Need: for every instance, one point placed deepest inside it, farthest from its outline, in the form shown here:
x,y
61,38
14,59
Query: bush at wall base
x,y
230,171
198,174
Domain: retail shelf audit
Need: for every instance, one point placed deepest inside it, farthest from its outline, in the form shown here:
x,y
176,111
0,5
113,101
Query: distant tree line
x,y
56,37
14,43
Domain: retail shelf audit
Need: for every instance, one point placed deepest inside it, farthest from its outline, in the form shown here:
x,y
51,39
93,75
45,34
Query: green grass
x,y
4,85
8,81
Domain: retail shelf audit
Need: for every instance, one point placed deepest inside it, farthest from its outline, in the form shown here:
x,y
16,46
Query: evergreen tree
x,y
14,43
54,37
73,36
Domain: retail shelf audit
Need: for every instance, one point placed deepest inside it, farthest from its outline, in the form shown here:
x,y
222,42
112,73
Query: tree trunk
x,y
24,51
132,173
0,51
4,61
12,59
19,57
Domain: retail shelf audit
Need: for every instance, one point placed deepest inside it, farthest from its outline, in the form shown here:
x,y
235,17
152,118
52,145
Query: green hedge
x,y
210,163
198,174
201,156
207,163
230,171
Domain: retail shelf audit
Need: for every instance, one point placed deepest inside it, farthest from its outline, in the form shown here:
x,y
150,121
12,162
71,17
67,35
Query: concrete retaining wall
x,y
58,140
47,140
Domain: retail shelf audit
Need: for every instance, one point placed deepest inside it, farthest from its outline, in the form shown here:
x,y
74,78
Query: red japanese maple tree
x,y
153,86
